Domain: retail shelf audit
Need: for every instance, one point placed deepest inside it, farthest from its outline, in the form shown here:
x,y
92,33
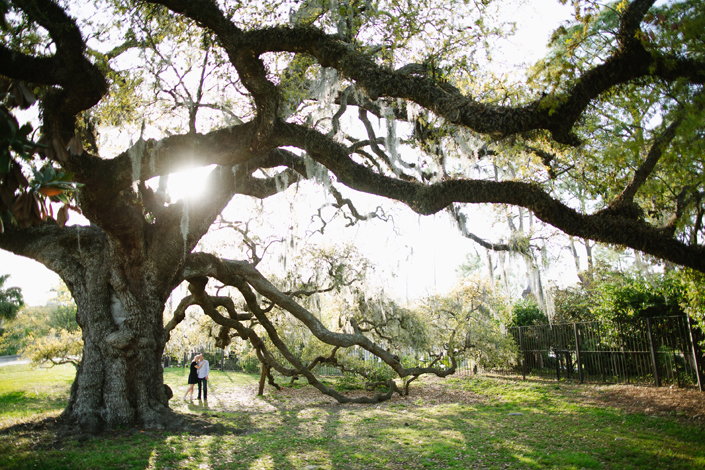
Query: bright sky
x,y
424,257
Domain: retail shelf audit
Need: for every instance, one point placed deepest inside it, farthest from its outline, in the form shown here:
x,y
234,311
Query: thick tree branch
x,y
60,250
208,304
39,70
82,84
428,199
249,66
626,198
630,62
306,372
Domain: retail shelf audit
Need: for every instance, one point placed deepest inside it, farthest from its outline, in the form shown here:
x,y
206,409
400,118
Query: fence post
x,y
554,341
698,372
577,352
654,360
600,359
523,354
222,359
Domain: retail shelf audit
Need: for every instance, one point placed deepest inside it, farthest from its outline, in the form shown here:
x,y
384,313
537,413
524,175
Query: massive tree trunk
x,y
120,379
120,300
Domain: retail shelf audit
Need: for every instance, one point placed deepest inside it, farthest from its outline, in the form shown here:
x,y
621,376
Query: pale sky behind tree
x,y
426,255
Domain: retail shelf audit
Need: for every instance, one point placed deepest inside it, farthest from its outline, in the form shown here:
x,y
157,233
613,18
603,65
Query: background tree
x,y
10,300
17,332
574,304
629,298
472,319
694,305
377,97
54,348
46,334
195,333
611,295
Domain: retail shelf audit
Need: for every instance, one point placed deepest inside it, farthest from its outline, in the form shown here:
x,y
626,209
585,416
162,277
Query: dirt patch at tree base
x,y
244,398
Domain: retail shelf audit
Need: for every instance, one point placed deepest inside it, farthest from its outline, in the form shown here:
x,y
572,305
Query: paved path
x,y
12,361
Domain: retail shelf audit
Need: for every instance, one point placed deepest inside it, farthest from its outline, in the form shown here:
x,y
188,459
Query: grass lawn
x,y
458,423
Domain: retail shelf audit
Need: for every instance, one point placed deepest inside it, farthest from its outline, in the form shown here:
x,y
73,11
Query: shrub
x,y
527,313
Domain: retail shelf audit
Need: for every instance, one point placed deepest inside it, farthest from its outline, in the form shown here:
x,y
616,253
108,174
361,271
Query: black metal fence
x,y
660,350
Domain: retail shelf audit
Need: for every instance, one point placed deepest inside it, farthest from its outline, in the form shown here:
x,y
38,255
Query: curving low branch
x,y
242,275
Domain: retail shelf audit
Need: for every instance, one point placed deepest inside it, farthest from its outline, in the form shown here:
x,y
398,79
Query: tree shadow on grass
x,y
19,404
49,443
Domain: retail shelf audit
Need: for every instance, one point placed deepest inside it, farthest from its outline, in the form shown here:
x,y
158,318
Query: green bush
x,y
629,298
612,296
380,373
574,304
349,381
527,313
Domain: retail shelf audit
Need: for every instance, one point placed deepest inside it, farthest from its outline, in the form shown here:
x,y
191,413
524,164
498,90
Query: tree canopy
x,y
601,140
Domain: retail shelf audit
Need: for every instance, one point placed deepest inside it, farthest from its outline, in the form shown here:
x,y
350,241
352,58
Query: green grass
x,y
556,429
27,393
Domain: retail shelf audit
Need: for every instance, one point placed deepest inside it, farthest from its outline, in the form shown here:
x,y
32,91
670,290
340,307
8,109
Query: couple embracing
x,y
198,375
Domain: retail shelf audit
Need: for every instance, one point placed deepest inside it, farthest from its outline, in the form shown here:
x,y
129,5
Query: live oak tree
x,y
381,97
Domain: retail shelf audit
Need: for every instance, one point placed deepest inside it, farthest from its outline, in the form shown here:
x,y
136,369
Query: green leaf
x,y
38,176
49,173
64,176
4,161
